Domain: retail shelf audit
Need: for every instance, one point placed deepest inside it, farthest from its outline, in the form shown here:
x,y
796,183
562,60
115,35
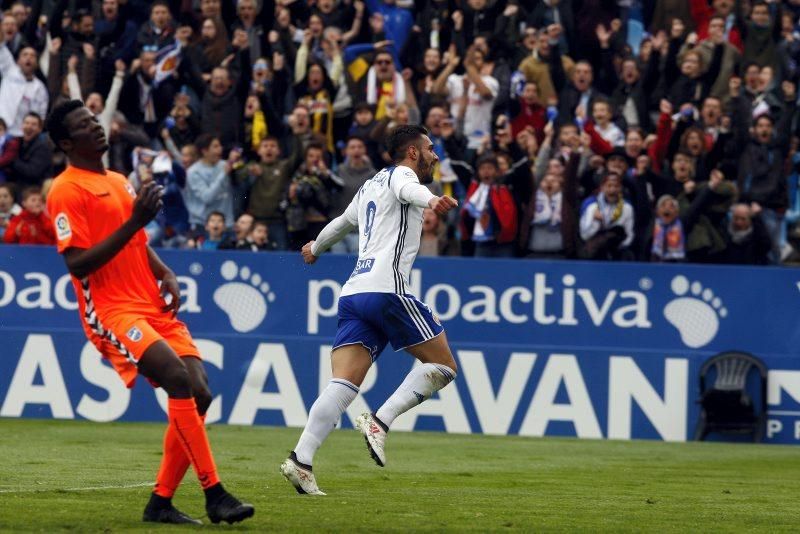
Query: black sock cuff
x,y
214,492
380,423
158,502
293,457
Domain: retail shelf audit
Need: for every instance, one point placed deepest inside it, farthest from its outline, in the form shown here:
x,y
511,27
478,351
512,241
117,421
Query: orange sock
x,y
174,464
190,433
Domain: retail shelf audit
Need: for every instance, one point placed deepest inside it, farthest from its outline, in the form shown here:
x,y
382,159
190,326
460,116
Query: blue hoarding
x,y
599,350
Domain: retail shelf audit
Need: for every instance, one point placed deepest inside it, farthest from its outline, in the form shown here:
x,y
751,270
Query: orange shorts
x,y
130,335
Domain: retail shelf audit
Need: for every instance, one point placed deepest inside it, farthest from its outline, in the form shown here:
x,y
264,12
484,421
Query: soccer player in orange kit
x,y
99,222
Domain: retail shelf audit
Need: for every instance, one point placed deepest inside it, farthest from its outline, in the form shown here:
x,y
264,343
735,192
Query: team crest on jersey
x,y
130,190
63,230
436,319
134,334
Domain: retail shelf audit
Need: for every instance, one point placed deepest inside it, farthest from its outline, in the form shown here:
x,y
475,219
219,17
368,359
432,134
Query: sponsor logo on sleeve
x,y
63,230
130,189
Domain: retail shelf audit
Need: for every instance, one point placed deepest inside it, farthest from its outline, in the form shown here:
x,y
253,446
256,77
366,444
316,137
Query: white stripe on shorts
x,y
413,312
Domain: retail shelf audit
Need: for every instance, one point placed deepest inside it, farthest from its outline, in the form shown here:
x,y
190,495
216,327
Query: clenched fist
x,y
308,256
443,204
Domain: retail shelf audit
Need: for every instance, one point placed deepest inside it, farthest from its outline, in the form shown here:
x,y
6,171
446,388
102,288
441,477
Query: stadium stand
x,y
621,130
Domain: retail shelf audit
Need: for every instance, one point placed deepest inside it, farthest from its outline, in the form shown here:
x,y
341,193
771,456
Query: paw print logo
x,y
695,313
244,297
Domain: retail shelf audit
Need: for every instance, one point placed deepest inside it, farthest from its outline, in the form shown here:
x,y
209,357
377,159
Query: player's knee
x,y
176,381
450,362
202,398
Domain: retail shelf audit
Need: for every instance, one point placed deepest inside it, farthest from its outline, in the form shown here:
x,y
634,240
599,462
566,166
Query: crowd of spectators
x,y
649,130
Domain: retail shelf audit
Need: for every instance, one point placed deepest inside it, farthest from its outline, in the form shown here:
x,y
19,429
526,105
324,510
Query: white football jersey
x,y
389,233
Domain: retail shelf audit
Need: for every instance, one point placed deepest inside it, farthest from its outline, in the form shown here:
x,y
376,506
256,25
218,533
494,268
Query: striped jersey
x,y
389,233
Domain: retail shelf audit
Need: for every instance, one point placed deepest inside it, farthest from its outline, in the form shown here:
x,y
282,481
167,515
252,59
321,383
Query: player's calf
x,y
418,386
199,383
203,399
422,382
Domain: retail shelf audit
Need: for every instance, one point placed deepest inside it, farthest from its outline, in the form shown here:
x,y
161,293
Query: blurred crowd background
x,y
630,130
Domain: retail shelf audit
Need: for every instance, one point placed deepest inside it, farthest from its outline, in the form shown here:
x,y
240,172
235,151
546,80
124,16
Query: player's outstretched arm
x,y
333,232
443,204
418,195
82,262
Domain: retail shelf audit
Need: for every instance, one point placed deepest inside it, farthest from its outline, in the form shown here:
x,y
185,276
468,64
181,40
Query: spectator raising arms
x,y
282,109
489,216
32,226
21,91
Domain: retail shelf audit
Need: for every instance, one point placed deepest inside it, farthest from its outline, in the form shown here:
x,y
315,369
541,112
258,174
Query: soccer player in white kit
x,y
375,306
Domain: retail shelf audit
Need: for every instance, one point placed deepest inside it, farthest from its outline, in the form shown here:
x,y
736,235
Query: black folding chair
x,y
726,407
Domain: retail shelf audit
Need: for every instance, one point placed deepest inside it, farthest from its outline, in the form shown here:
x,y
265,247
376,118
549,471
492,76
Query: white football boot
x,y
300,476
374,435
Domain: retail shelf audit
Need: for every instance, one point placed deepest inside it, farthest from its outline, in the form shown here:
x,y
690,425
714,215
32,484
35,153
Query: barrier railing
x,y
600,350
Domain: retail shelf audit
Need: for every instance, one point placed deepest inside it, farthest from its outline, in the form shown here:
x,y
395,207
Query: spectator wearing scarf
x,y
489,217
606,223
669,238
549,227
384,83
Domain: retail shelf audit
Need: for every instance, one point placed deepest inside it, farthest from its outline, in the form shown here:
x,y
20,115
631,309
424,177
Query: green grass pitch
x,y
80,476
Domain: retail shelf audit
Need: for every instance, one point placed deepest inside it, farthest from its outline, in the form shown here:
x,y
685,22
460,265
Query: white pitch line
x,y
90,488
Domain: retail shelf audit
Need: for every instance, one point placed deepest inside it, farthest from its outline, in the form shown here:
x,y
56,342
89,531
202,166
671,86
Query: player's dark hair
x,y
204,141
55,122
403,137
215,212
